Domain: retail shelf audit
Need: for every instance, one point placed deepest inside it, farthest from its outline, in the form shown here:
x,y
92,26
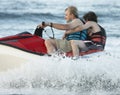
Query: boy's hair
x,y
90,16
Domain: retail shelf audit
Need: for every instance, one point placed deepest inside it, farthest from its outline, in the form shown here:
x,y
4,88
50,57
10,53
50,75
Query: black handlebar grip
x,y
43,23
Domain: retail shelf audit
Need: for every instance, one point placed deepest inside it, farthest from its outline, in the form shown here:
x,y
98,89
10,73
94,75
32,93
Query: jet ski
x,y
20,48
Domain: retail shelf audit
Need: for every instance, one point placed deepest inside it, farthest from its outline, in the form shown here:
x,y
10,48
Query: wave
x,y
4,15
114,35
97,71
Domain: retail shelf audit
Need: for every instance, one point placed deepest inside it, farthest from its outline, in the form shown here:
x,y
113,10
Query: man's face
x,y
68,16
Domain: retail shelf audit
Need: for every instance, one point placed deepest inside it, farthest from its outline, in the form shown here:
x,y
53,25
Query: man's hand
x,y
65,34
43,25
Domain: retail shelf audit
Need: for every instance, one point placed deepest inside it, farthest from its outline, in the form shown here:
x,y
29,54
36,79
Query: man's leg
x,y
75,48
78,45
50,45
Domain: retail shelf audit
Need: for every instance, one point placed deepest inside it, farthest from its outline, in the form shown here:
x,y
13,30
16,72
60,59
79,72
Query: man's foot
x,y
75,58
47,55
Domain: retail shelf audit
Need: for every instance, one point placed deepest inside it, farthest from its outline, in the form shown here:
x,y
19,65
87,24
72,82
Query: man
x,y
96,35
71,16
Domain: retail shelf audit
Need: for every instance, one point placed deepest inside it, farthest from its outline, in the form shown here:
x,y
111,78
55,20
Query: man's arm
x,y
68,26
79,28
55,25
59,26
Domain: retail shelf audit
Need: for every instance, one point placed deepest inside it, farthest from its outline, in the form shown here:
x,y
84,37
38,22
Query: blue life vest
x,y
82,35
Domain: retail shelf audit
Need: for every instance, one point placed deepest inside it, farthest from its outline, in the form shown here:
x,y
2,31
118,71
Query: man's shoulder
x,y
77,20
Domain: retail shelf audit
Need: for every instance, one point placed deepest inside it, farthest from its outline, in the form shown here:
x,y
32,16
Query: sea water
x,y
95,74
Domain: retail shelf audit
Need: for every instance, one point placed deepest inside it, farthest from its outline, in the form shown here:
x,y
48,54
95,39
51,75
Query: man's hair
x,y
90,16
73,10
